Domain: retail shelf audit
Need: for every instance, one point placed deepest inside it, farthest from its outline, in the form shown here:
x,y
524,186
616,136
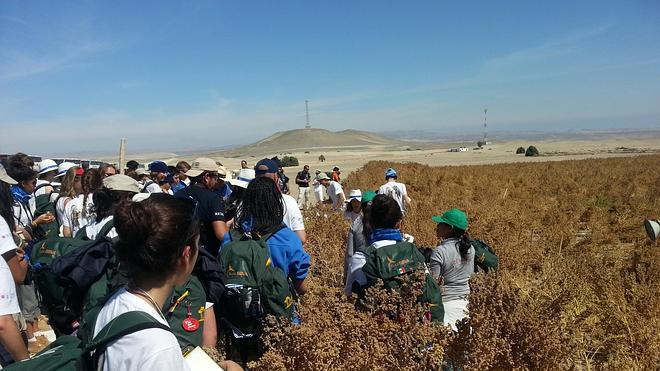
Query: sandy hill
x,y
309,139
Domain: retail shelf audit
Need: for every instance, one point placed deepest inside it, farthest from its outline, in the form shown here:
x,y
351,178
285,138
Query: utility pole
x,y
485,125
307,125
122,155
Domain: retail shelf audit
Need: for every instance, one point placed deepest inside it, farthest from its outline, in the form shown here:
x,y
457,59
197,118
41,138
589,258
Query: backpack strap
x,y
124,324
107,227
41,186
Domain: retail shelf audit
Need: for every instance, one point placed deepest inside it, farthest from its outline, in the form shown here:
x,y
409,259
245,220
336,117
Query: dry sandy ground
x,y
504,152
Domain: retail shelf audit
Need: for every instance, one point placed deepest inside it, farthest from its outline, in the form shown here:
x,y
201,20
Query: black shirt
x,y
303,174
210,208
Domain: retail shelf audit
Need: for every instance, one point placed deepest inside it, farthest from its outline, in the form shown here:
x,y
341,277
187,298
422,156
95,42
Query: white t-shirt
x,y
395,190
292,215
358,260
153,187
149,349
23,214
92,229
334,190
8,299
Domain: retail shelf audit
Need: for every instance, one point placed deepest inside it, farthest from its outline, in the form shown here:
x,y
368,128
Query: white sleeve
x,y
294,216
6,238
338,189
62,216
165,359
154,188
404,191
355,273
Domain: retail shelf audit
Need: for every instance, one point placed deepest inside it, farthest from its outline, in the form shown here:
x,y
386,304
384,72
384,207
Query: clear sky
x,y
199,74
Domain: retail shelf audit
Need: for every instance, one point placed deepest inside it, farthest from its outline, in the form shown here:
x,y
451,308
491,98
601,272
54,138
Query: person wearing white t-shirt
x,y
335,192
395,190
116,189
68,211
10,335
46,175
158,248
318,187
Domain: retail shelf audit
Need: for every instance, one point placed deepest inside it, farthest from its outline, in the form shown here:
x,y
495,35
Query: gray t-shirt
x,y
354,242
446,261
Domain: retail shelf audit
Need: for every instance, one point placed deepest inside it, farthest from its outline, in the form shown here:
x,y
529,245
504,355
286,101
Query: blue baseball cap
x,y
390,173
265,166
158,167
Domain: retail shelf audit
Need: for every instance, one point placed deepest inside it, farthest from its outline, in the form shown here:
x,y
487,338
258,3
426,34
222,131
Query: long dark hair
x,y
153,234
385,212
463,245
262,206
106,201
6,205
90,182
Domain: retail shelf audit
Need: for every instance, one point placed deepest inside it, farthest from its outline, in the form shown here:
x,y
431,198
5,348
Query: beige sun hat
x,y
121,182
322,176
201,165
5,177
354,194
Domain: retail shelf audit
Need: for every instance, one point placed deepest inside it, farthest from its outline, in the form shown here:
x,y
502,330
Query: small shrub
x,y
289,161
321,158
531,151
520,150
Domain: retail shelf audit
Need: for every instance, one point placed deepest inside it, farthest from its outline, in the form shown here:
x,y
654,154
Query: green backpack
x,y
485,258
254,286
71,353
187,297
391,261
43,205
64,302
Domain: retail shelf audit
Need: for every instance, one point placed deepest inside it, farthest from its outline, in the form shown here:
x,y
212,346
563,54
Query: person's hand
x,y
44,219
230,366
20,253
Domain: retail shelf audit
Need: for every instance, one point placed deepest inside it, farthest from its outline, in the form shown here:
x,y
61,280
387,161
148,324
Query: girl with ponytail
x,y
452,263
158,242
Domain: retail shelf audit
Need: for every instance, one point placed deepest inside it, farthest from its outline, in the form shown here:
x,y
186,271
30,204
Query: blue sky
x,y
197,74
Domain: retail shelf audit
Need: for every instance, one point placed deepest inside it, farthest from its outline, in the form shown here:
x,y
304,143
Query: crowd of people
x,y
181,232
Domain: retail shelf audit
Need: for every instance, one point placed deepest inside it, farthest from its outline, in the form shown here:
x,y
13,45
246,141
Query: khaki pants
x,y
303,197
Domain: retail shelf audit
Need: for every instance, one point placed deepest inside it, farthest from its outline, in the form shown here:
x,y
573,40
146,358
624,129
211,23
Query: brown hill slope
x,y
303,139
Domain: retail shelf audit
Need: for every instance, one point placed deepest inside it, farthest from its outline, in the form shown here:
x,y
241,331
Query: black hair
x,y
103,167
6,205
234,201
106,201
20,159
262,206
21,173
132,164
385,212
366,220
463,245
91,181
153,234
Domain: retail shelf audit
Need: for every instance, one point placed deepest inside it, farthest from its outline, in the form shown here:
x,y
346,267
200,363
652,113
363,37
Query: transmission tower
x,y
485,125
307,125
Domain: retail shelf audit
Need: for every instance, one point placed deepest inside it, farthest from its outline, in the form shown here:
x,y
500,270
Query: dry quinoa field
x,y
578,285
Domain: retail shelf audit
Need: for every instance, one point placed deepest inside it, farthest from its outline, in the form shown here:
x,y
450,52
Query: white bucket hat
x,y
354,194
243,178
63,168
46,166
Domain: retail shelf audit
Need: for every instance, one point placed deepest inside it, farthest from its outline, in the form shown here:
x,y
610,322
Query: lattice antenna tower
x,y
485,125
307,125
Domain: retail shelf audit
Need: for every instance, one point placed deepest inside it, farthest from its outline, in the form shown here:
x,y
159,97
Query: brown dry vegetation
x,y
578,285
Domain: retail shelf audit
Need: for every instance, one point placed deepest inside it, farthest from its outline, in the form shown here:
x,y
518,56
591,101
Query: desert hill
x,y
310,139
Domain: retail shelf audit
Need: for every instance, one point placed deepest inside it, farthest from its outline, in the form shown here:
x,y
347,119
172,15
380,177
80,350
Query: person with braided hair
x,y
91,181
260,213
452,263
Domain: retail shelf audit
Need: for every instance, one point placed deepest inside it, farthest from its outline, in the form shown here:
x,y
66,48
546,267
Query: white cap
x,y
354,194
46,166
243,178
63,168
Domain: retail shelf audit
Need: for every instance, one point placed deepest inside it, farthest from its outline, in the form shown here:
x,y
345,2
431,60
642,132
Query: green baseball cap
x,y
454,217
368,196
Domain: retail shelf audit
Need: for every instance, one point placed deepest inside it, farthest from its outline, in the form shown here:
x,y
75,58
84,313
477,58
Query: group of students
x,y
181,236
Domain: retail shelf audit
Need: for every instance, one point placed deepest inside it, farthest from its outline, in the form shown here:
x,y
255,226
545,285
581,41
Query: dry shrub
x,y
577,288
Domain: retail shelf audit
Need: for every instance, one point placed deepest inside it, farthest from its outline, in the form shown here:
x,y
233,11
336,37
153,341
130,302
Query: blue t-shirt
x,y
286,252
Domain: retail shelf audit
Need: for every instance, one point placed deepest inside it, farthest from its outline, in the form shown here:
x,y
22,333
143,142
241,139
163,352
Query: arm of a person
x,y
220,228
17,265
301,286
435,265
405,195
210,331
299,267
302,235
11,338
